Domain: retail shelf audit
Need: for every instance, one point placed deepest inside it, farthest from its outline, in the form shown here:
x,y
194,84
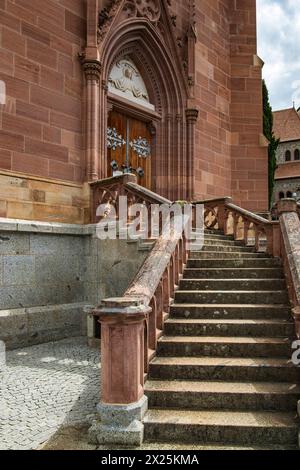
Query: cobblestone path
x,y
45,386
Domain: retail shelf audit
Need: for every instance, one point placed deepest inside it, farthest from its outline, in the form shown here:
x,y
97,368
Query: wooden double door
x,y
129,147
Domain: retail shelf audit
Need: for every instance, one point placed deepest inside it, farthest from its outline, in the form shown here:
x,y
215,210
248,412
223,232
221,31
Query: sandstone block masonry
x,y
53,146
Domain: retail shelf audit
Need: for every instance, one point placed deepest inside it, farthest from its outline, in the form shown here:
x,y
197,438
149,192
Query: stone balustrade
x,y
132,324
222,214
130,328
290,252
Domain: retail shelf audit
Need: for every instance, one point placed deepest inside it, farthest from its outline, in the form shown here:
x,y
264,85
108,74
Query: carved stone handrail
x,y
149,294
222,214
290,252
108,191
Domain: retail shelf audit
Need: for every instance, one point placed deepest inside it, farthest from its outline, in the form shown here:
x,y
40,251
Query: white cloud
x,y
279,47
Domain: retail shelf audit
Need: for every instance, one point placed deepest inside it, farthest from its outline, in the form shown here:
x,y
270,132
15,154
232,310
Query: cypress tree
x,y
273,142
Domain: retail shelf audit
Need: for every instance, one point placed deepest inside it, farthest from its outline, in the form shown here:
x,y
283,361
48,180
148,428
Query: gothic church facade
x,y
167,89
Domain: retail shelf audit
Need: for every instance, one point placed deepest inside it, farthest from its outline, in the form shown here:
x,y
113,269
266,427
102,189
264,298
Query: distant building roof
x,y
287,124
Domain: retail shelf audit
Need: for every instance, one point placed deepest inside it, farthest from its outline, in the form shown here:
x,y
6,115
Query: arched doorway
x,y
163,113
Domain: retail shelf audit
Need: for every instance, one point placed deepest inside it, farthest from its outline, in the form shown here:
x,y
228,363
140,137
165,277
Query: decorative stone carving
x,y
192,114
92,69
125,77
150,9
106,16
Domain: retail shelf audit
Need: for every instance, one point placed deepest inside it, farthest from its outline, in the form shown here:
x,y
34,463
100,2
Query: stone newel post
x,y
123,404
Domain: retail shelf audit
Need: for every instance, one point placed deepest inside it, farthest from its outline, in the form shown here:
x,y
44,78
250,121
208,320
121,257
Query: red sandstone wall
x,y
249,158
212,93
229,157
40,126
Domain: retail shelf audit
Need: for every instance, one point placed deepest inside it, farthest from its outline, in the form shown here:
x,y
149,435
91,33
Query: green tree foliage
x,y
273,142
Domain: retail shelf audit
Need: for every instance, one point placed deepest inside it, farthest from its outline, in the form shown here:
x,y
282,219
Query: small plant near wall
x,y
273,142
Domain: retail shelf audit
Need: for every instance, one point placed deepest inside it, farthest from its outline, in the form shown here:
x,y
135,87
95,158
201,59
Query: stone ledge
x,y
18,225
27,326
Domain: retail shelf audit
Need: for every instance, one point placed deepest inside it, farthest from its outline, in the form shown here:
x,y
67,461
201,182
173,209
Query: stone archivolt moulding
x,y
150,9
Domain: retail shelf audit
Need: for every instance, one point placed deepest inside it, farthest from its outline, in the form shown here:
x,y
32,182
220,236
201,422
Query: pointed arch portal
x,y
142,79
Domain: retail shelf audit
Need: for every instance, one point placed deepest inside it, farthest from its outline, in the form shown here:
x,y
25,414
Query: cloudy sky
x,y
279,47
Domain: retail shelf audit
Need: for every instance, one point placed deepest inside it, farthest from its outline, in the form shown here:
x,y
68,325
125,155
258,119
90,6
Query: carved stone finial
x,y
92,69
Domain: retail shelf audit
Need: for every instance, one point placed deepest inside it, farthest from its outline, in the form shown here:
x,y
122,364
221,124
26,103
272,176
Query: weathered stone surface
x,y
12,243
44,266
28,326
19,270
290,226
223,370
119,424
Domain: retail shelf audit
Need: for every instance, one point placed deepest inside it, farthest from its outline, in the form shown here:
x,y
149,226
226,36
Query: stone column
x,y
191,118
123,403
92,71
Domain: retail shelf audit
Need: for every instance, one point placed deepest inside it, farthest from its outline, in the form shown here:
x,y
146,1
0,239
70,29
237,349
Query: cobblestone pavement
x,y
44,387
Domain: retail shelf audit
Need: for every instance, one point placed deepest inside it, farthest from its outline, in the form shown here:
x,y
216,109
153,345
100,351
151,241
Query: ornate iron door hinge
x,y
114,140
141,146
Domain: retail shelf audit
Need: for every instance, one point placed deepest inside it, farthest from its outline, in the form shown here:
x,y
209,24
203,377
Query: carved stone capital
x,y
192,114
92,69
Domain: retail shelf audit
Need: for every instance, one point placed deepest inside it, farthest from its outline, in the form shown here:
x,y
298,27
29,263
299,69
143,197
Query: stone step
x,y
203,255
228,249
232,284
212,231
230,311
223,242
219,346
177,446
234,263
232,297
214,236
242,327
222,395
230,273
230,368
213,426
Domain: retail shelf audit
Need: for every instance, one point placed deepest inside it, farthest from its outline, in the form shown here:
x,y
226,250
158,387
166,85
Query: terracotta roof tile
x,y
287,124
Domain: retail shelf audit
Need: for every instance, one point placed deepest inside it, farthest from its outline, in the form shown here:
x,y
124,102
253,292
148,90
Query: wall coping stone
x,y
18,225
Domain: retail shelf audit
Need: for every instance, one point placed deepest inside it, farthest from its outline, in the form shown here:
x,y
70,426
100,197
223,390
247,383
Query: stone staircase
x,y
223,373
